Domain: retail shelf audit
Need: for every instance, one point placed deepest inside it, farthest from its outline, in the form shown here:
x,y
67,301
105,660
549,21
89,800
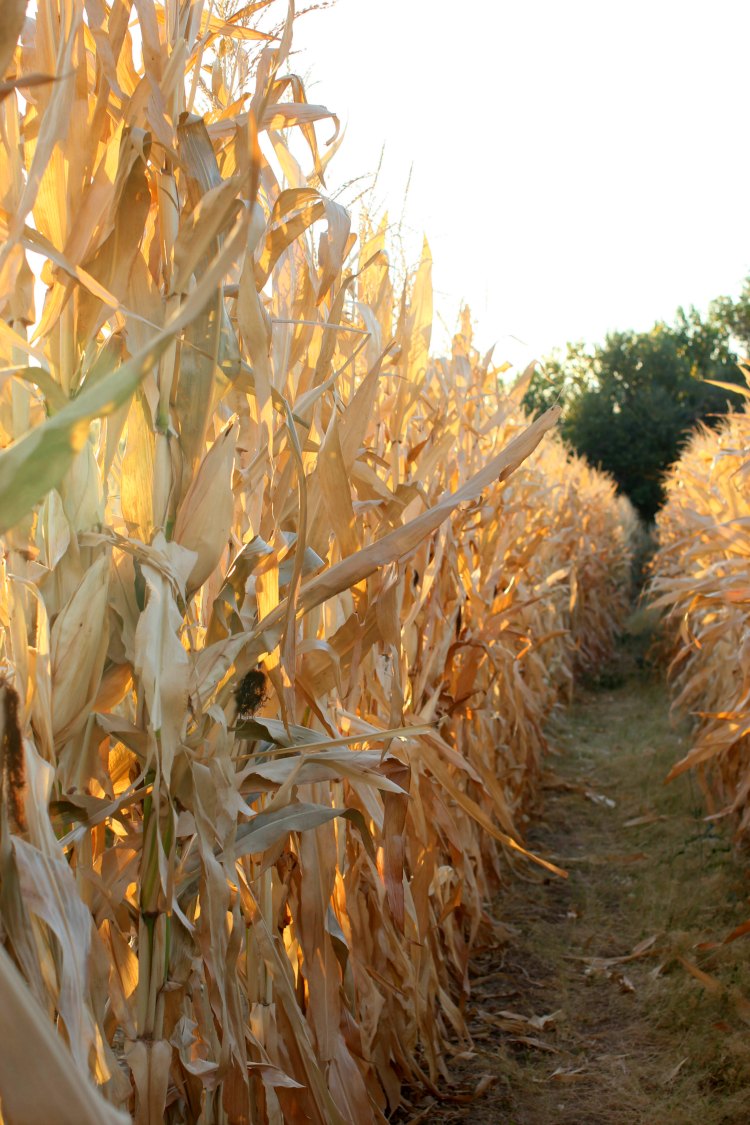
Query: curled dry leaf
x,y
205,516
78,648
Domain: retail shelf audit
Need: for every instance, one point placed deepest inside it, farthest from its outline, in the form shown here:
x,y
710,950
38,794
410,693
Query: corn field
x,y
700,581
285,602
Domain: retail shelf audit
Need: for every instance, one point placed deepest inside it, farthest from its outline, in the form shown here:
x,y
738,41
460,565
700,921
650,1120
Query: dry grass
x,y
282,616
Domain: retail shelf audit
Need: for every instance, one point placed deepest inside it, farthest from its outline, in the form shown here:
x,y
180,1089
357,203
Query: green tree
x,y
734,318
630,403
562,381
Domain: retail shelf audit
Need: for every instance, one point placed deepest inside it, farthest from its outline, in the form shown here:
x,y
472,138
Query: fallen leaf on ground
x,y
647,818
624,983
603,860
530,1041
484,1084
599,799
639,950
737,932
513,1022
672,1074
423,1113
561,1075
711,984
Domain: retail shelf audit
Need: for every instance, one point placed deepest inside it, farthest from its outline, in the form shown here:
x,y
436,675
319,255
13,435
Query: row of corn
x,y
284,601
700,581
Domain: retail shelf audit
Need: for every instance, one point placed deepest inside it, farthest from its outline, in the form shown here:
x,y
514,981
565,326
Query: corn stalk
x,y
284,601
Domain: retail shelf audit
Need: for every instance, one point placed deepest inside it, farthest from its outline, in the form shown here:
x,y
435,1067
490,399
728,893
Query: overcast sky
x,y
577,167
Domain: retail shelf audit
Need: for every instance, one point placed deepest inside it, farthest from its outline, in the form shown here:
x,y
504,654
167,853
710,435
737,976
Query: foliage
x,y
631,402
284,601
733,316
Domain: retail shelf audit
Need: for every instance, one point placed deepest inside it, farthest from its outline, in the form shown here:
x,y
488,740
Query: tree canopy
x,y
630,403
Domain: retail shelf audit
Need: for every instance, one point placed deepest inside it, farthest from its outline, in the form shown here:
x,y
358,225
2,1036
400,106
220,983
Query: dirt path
x,y
589,1017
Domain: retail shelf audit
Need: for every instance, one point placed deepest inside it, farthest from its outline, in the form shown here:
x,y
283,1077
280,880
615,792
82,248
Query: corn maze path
x,y
602,1008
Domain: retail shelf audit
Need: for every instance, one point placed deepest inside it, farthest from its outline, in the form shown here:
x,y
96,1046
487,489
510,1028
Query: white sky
x,y
578,166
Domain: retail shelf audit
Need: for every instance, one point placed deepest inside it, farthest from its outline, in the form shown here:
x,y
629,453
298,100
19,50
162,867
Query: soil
x,y
617,1001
